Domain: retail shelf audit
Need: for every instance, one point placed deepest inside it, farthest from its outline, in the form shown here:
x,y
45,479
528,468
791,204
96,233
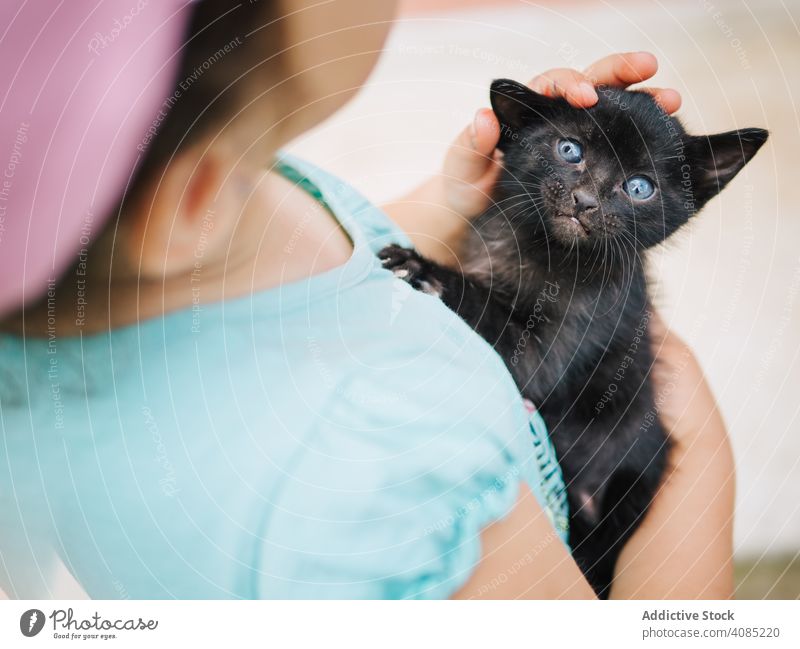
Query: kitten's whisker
x,y
504,205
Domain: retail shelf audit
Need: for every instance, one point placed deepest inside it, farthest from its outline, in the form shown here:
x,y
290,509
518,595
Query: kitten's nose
x,y
584,201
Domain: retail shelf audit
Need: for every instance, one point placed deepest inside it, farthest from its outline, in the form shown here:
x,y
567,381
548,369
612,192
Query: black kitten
x,y
555,280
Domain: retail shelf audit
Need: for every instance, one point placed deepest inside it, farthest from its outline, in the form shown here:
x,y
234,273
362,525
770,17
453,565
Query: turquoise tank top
x,y
338,437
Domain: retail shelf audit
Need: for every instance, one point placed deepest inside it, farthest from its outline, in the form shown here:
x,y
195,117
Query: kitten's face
x,y
619,174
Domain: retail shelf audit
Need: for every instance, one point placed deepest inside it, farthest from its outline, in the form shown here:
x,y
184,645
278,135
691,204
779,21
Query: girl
x,y
212,389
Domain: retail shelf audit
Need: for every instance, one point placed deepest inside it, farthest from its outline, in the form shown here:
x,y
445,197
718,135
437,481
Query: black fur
x,y
554,278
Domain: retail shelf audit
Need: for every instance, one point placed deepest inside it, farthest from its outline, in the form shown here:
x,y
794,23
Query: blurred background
x,y
730,284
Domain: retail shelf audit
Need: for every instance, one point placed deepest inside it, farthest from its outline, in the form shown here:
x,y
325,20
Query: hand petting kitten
x,y
436,213
469,172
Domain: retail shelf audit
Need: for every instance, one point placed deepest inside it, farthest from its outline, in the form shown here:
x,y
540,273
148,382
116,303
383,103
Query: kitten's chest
x,y
578,337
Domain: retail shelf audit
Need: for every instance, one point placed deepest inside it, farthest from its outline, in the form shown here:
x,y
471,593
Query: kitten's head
x,y
622,170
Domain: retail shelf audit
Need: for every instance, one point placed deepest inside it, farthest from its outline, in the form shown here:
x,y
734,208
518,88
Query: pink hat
x,y
83,86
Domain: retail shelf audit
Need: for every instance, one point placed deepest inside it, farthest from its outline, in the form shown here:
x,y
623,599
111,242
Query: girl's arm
x,y
684,547
524,558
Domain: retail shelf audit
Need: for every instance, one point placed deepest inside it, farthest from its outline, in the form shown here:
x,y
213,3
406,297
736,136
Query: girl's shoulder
x,y
364,221
404,465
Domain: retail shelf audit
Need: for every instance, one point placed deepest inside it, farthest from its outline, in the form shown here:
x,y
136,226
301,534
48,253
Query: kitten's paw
x,y
412,268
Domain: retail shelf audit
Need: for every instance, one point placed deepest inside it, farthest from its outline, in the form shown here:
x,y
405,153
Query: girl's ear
x,y
716,159
517,105
177,221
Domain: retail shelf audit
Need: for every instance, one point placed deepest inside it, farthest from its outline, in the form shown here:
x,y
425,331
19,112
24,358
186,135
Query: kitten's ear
x,y
718,158
515,104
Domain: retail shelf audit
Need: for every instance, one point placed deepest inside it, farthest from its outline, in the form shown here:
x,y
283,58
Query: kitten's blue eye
x,y
639,188
570,150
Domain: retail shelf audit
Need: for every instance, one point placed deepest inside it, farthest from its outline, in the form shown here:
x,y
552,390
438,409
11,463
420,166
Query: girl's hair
x,y
227,43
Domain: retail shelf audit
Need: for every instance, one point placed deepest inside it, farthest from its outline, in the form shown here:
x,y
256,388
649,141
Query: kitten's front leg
x,y
490,317
457,291
423,275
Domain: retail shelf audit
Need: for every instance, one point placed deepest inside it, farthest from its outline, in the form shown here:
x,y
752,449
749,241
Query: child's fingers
x,y
617,70
470,155
471,198
470,168
622,70
668,99
486,130
574,86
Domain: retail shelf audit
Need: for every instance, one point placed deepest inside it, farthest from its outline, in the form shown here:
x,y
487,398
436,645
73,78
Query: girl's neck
x,y
283,235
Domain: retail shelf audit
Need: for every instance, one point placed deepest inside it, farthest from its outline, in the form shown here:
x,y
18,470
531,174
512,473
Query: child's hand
x,y
470,168
684,547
